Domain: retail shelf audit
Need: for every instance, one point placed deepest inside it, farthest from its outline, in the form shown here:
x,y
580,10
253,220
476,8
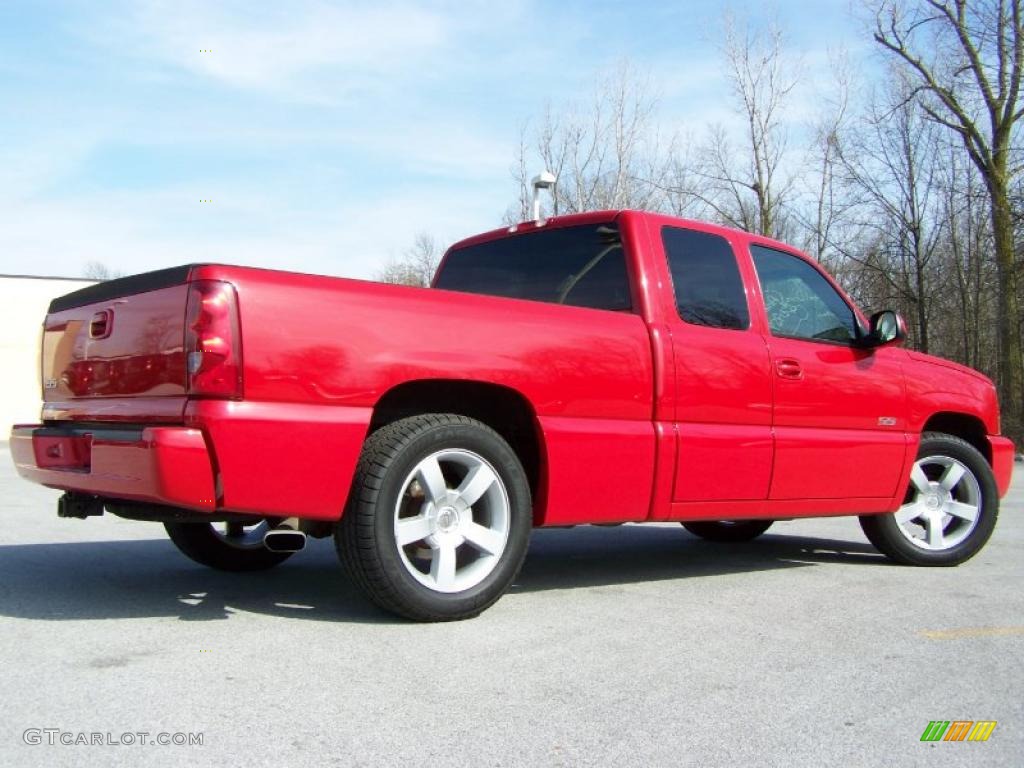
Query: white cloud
x,y
400,116
56,214
27,167
138,232
302,50
442,146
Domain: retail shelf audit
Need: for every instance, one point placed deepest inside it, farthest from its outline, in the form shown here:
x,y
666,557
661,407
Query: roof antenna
x,y
545,180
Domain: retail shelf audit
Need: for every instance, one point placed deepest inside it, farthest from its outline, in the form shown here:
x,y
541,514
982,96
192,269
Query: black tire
x,y
202,543
936,448
728,530
365,537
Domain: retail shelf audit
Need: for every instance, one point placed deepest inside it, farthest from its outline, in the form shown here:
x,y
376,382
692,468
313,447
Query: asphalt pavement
x,y
638,645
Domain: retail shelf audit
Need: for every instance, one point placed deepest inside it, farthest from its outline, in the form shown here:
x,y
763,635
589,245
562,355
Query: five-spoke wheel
x,y
943,506
949,511
439,517
452,520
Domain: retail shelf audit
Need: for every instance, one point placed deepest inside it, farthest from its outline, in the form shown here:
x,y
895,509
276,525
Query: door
x,y
839,409
723,375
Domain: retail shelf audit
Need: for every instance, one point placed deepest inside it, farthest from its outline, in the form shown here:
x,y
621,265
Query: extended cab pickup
x,y
606,367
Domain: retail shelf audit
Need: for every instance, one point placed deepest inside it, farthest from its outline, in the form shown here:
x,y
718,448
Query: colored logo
x,y
958,730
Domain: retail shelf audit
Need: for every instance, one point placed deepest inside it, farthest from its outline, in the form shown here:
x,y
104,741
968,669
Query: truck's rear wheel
x,y
728,530
439,518
949,511
231,546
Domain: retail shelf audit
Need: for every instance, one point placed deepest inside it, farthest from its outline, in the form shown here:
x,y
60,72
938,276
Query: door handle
x,y
788,368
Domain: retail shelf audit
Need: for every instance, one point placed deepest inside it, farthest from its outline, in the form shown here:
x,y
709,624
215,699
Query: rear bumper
x,y
161,465
1002,462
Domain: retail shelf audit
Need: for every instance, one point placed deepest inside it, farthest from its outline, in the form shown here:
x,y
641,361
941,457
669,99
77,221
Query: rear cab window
x,y
581,266
706,279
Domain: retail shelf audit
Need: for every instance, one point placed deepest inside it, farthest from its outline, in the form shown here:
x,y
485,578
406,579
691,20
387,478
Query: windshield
x,y
581,266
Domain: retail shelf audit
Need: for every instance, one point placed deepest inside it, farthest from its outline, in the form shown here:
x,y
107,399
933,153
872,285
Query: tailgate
x,y
113,341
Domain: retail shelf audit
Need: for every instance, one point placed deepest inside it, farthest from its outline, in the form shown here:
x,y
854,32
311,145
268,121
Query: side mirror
x,y
886,327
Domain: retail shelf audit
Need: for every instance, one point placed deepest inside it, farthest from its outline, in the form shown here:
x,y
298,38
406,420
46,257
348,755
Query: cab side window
x,y
707,283
800,302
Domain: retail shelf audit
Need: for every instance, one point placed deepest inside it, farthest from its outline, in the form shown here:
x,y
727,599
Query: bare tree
x,y
416,266
966,61
969,299
905,200
609,154
825,213
893,166
685,191
520,209
97,270
605,154
747,187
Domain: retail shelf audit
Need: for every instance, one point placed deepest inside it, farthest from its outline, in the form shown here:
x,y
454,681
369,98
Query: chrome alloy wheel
x,y
452,520
942,505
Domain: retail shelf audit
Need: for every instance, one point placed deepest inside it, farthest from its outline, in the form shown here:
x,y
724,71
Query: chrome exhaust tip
x,y
284,540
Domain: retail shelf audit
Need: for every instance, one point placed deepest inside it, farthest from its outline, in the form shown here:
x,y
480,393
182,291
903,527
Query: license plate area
x,y
67,452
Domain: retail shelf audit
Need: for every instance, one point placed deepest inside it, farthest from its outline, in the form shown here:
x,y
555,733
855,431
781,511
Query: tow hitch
x,y
79,505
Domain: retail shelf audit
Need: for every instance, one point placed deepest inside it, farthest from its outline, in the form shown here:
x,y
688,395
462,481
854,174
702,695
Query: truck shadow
x,y
150,578
594,557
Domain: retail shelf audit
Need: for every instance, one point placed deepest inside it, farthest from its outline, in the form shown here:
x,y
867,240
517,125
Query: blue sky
x,y
326,134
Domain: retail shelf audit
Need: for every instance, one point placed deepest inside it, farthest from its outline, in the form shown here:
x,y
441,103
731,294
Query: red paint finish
x,y
567,362
839,413
282,458
830,441
666,456
724,411
781,509
935,387
123,348
640,415
328,341
126,410
596,461
63,453
819,463
164,465
724,395
1002,462
721,397
720,462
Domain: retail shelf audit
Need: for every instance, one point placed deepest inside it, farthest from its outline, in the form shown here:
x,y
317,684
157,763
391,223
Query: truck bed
x,y
318,354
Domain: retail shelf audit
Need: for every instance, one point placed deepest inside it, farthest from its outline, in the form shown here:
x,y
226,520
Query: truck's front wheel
x,y
949,511
439,518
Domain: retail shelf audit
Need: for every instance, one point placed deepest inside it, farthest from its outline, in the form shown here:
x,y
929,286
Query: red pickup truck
x,y
606,368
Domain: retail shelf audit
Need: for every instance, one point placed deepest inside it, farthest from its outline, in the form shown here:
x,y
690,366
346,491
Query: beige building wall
x,y
23,304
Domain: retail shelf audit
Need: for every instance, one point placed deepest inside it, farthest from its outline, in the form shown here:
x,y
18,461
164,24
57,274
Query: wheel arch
x,y
505,410
963,425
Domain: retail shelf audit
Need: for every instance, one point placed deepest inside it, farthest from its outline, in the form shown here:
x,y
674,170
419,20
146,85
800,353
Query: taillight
x,y
212,342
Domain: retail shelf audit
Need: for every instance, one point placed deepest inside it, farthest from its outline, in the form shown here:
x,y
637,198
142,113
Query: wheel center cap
x,y
447,519
933,501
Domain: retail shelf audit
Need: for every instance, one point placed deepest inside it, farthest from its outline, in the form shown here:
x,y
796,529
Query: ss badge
x,y
50,384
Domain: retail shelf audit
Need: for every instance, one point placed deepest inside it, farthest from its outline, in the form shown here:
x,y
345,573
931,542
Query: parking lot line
x,y
962,632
